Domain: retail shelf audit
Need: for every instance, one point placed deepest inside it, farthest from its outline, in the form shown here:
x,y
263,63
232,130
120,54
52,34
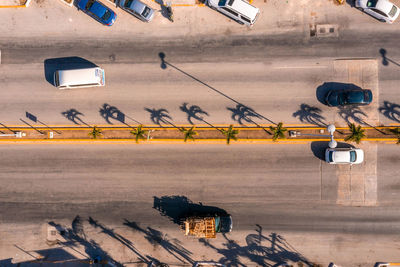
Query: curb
x,y
197,126
180,141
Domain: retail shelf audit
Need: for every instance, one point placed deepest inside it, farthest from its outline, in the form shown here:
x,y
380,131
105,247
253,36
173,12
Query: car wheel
x,y
361,9
382,20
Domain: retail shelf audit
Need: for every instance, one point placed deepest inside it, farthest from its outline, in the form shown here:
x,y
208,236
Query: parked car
x,y
382,10
138,9
239,10
347,97
98,11
344,155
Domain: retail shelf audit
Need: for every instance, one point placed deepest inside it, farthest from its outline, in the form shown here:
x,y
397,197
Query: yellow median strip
x,y
180,141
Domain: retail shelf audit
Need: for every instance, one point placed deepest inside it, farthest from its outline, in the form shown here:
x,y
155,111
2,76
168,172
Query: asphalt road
x,y
277,186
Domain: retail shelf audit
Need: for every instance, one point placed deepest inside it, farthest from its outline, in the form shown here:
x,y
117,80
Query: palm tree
x,y
96,132
139,133
189,133
230,134
279,131
357,133
396,131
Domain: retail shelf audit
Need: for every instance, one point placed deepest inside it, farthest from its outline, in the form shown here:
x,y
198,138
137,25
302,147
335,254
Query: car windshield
x,y
221,2
353,156
146,12
372,3
128,3
89,4
354,97
106,15
330,156
366,96
393,11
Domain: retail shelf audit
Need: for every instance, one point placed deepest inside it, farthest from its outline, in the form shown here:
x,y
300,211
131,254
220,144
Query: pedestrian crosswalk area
x,y
357,184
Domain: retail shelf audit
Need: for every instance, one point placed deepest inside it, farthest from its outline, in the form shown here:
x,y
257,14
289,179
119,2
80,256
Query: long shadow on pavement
x,y
164,65
172,245
271,250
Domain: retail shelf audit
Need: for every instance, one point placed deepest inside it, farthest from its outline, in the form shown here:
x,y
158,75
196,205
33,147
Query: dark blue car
x,y
98,11
336,98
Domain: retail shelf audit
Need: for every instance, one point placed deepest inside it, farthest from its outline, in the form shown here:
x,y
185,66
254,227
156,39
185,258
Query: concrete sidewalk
x,y
137,245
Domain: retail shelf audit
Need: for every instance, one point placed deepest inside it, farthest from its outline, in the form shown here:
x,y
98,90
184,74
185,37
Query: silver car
x,y
138,9
344,155
382,10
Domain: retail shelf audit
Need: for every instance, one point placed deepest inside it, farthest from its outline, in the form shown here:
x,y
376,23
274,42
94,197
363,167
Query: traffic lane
x,y
137,173
135,90
277,186
388,182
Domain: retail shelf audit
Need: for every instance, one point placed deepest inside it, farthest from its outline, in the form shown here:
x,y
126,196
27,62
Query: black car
x,y
336,98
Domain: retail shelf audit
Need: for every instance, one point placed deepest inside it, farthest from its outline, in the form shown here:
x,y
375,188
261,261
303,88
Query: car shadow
x,y
318,148
51,65
351,3
324,88
178,208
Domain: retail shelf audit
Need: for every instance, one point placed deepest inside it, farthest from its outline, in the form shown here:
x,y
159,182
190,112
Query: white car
x,y
383,10
239,10
344,155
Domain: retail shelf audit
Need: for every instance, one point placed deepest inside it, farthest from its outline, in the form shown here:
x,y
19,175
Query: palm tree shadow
x,y
164,65
352,114
243,113
309,114
76,235
193,112
74,116
111,112
271,250
159,116
390,110
172,245
118,237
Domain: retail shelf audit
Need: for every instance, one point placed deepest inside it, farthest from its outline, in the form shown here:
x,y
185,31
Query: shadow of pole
x,y
31,126
7,128
118,237
164,65
34,119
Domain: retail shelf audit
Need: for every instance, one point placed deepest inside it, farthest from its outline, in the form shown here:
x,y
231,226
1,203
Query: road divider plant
x,y
220,133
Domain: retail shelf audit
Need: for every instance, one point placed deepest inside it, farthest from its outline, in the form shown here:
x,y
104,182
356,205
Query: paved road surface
x,y
285,189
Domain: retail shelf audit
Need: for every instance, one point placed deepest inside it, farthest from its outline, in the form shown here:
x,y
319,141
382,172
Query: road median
x,y
176,134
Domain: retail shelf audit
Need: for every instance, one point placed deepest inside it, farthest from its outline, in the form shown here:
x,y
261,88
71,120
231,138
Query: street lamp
x,y
331,129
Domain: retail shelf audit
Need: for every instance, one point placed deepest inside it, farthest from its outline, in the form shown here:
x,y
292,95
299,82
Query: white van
x,y
239,10
78,78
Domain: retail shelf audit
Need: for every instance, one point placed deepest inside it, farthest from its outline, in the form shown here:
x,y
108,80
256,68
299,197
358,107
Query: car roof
x,y
384,5
138,6
245,8
341,155
98,9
